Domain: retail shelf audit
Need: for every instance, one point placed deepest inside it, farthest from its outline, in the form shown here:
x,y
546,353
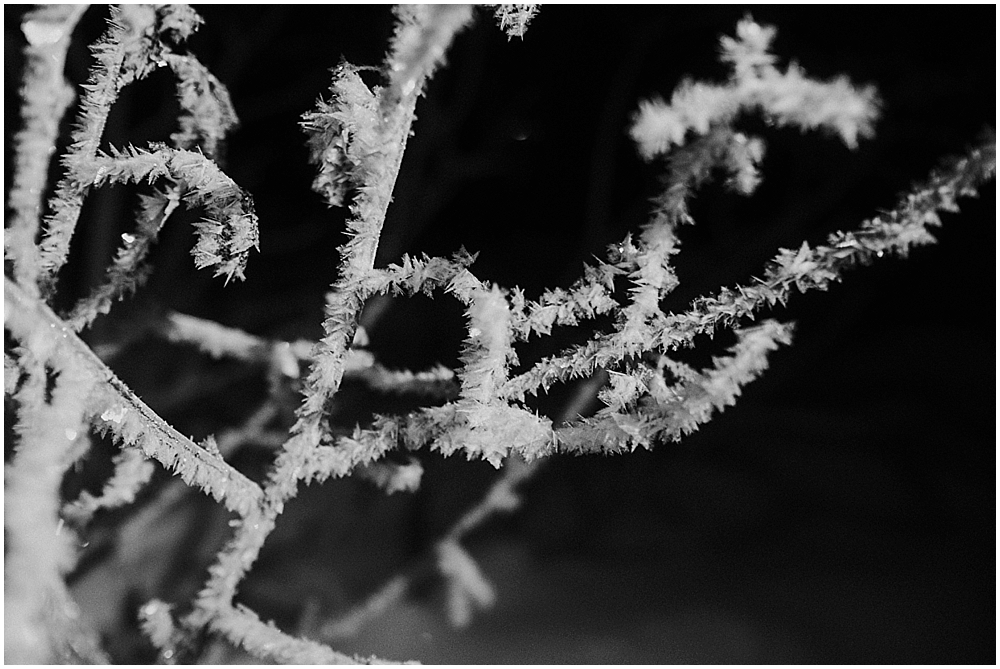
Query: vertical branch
x,y
45,96
39,551
207,113
128,52
487,353
421,38
119,55
423,33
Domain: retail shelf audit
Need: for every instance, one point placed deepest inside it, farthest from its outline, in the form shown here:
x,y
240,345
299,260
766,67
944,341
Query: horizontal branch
x,y
892,233
242,627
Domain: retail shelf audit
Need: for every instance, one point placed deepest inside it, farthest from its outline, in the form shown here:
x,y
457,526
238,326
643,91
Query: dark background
x,y
842,512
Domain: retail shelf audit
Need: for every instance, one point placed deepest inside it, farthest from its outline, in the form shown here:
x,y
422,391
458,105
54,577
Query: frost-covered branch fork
x,y
895,232
641,408
358,139
671,413
113,407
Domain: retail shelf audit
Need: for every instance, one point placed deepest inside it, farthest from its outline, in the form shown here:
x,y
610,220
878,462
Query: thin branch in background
x,y
128,270
132,472
501,497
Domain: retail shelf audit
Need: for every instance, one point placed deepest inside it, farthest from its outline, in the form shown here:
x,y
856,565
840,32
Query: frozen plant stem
x,y
422,36
113,407
62,390
125,36
501,497
44,99
43,621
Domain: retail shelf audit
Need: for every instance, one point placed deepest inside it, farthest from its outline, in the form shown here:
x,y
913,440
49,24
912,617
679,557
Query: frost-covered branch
x,y
44,99
126,53
128,270
229,230
43,624
132,471
242,626
357,139
785,98
501,497
514,19
113,407
207,111
374,147
137,43
893,233
668,412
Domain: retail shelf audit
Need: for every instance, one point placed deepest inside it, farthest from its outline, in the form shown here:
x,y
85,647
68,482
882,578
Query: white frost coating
x,y
40,33
115,414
